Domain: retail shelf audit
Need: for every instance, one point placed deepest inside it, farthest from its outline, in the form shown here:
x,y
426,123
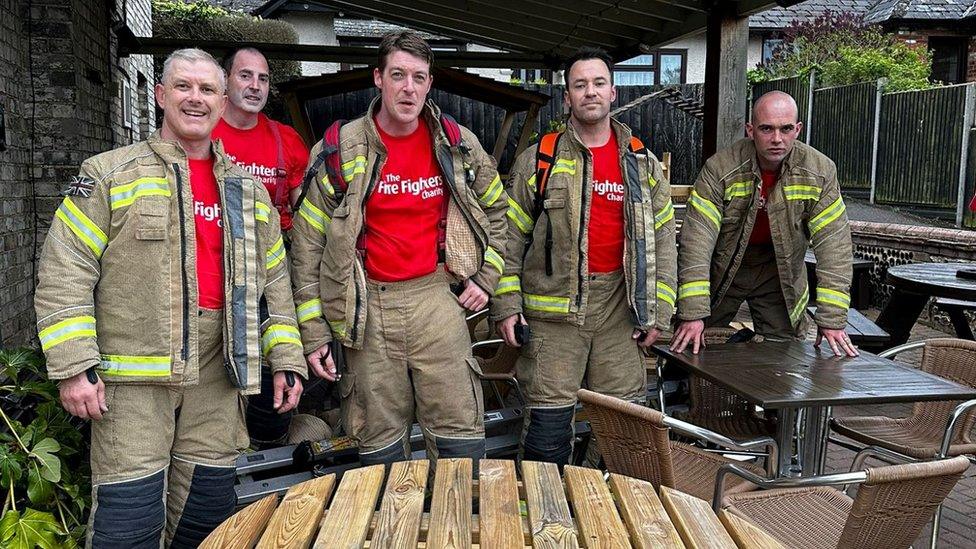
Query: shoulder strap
x,y
281,193
545,158
329,155
636,146
451,129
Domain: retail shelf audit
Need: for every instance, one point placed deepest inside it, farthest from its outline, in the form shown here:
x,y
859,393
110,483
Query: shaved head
x,y
775,103
774,127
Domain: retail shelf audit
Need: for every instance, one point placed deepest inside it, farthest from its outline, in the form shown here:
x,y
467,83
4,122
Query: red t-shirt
x,y
760,230
256,151
209,235
404,209
606,234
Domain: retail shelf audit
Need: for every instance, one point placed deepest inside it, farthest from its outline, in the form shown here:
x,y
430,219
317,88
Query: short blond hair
x,y
193,55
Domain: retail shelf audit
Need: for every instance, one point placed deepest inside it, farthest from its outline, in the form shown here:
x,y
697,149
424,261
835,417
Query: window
x,y
658,67
532,76
769,46
949,56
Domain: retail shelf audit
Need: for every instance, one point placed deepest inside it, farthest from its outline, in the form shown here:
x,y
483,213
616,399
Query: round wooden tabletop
x,y
934,279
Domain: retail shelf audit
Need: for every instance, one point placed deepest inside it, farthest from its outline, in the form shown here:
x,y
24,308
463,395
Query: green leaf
x,y
33,529
11,468
44,452
39,490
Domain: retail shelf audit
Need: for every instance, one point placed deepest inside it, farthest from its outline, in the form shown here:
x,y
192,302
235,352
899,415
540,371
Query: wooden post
x,y
502,140
876,135
527,128
298,119
967,125
727,37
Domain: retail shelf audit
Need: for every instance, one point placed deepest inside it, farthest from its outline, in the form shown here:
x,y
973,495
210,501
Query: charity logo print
x,y
610,190
424,187
207,212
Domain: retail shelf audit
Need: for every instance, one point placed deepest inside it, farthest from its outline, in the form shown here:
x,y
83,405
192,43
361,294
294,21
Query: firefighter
x,y
591,214
412,205
754,210
162,286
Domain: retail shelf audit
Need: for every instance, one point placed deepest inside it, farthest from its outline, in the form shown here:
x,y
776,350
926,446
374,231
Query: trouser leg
x,y
210,434
766,302
446,378
377,398
551,368
265,426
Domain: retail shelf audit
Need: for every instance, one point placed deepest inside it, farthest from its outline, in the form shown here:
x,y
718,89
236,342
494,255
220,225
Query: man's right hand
x,y
82,398
321,363
507,329
689,331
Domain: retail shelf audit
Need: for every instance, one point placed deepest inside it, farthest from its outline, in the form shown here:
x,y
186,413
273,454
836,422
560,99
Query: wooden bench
x,y
860,282
861,329
492,509
956,309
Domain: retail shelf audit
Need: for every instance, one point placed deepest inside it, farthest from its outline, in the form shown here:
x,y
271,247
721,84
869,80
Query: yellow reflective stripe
x,y
262,212
564,166
651,181
315,217
493,192
508,284
354,166
277,334
826,217
75,327
84,228
799,307
801,192
666,214
706,207
134,366
742,188
125,195
665,293
546,303
327,185
309,310
531,182
694,288
496,261
338,327
833,297
519,217
276,254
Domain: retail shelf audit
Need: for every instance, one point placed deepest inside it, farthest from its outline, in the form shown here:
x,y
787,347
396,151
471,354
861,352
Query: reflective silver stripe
x,y
826,217
261,212
508,284
519,217
76,327
277,334
135,366
665,293
496,261
276,254
546,303
315,217
694,288
82,227
493,192
800,306
125,195
309,310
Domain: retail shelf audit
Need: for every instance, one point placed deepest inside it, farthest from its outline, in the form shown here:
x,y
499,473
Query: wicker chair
x,y
718,409
634,442
497,361
892,505
933,429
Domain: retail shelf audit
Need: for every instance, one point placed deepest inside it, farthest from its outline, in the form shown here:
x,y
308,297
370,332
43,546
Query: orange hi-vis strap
x,y
545,159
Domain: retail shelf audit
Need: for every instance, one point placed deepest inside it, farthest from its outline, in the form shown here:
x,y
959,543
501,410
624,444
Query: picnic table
x,y
496,510
914,285
860,281
799,379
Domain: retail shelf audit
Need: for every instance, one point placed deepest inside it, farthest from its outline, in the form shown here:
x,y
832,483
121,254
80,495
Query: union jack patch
x,y
80,186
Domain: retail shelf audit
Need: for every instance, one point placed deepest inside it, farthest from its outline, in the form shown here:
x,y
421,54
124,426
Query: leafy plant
x,y
844,50
45,479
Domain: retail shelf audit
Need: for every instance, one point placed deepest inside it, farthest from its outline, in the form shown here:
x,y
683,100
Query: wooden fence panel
x,y
843,129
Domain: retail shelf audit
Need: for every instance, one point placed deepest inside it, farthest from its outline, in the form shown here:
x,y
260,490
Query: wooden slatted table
x,y
579,509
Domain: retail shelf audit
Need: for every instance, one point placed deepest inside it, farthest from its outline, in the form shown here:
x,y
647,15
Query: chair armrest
x,y
889,353
765,483
486,343
957,413
695,431
477,315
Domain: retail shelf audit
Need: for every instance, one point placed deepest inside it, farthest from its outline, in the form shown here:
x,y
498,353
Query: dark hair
x,y
228,60
584,54
405,40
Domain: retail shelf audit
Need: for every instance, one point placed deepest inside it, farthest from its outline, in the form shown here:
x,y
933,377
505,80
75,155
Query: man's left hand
x,y
649,337
838,340
286,396
473,298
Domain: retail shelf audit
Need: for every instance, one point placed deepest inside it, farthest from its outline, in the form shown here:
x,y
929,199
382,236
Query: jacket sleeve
x,y
308,236
699,234
493,199
520,223
68,271
830,233
280,339
666,262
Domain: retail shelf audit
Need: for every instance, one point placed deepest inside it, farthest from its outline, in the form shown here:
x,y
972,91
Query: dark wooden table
x,y
795,377
860,281
914,285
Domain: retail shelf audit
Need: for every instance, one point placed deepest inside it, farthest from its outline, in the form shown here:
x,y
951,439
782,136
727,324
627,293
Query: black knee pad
x,y
265,425
550,435
473,448
129,514
211,500
392,453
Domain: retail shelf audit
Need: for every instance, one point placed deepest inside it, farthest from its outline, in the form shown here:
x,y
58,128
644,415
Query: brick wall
x,y
61,92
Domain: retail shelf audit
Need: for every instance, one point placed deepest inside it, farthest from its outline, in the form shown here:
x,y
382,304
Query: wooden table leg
x,y
900,315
